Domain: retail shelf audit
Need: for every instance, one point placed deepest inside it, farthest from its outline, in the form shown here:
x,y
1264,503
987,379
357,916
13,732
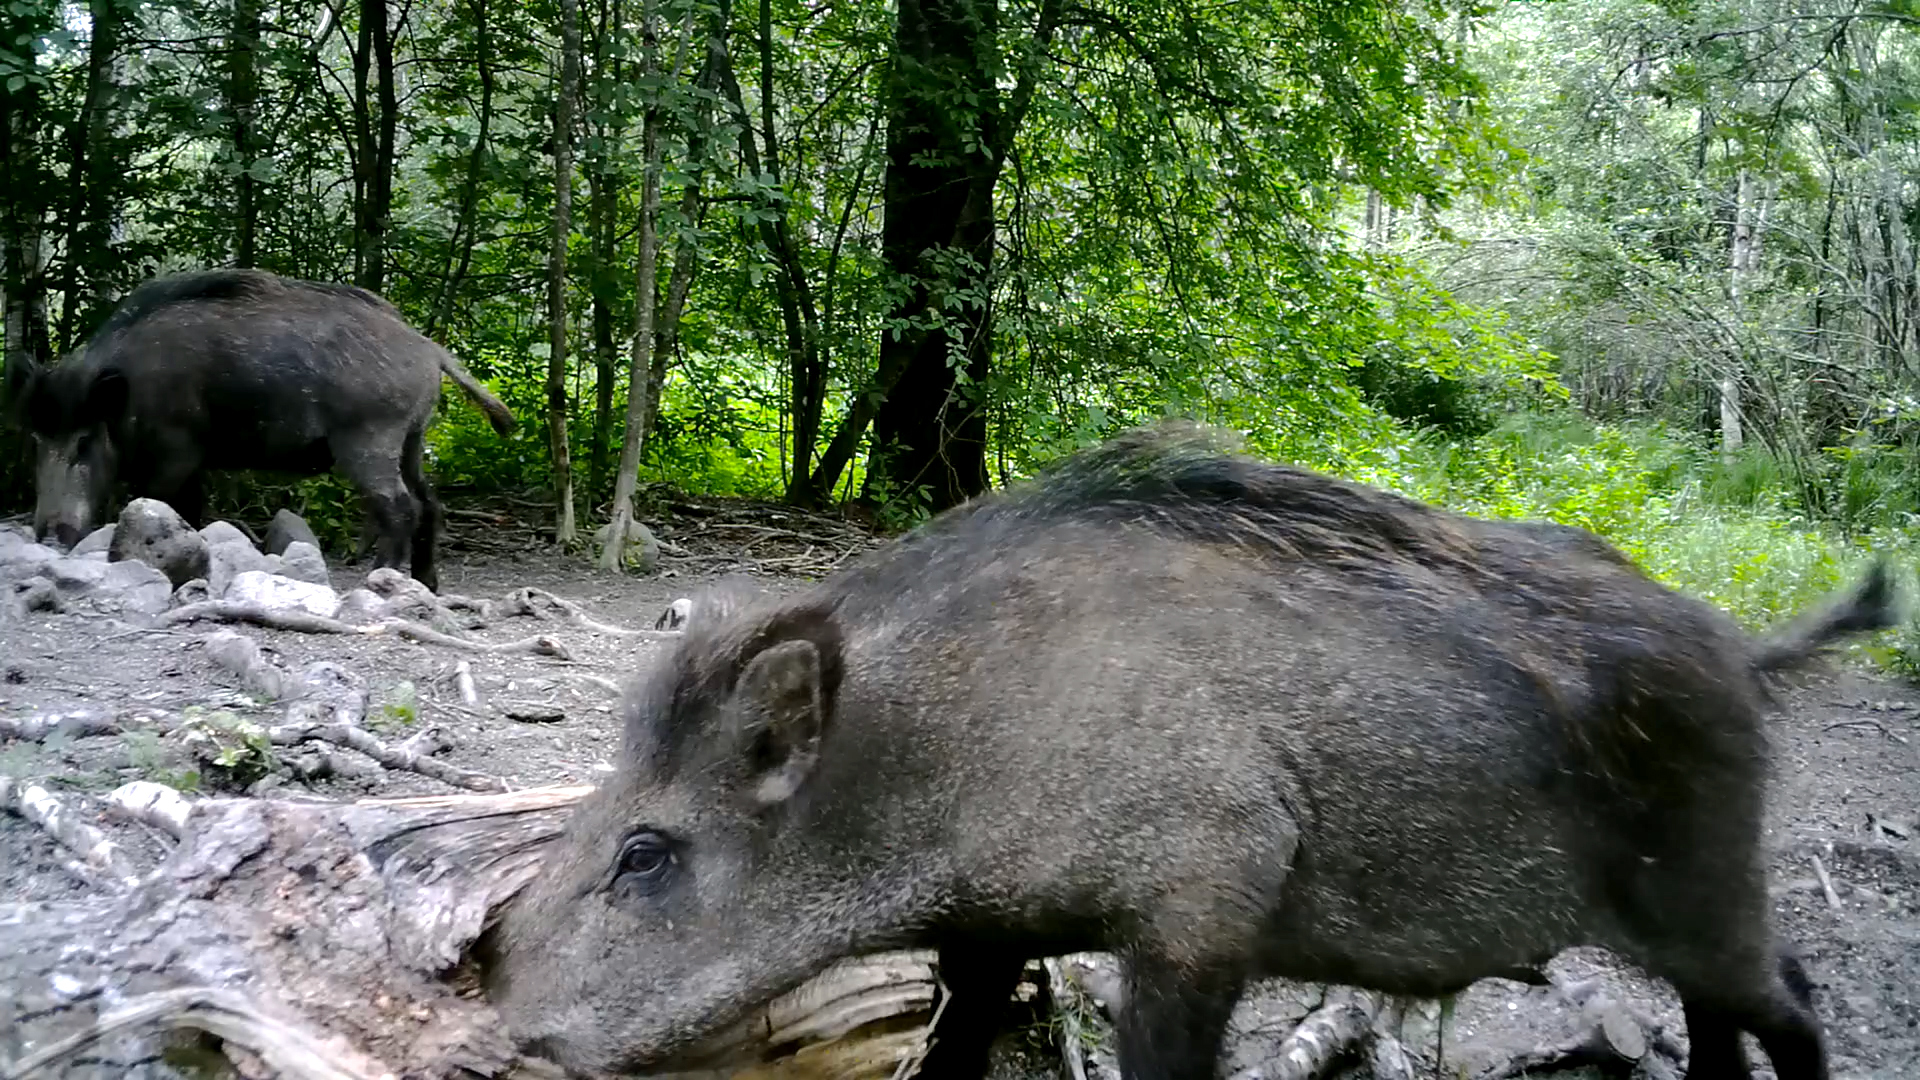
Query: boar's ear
x,y
106,398
784,695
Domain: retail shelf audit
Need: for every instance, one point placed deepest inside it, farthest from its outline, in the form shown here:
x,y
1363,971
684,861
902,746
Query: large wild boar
x,y
243,369
1226,719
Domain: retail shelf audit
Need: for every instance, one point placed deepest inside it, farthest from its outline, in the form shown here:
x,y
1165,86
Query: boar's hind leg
x,y
371,460
1747,990
1175,1015
980,979
426,534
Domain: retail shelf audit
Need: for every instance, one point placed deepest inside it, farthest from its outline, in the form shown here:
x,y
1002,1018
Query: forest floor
x,y
1847,790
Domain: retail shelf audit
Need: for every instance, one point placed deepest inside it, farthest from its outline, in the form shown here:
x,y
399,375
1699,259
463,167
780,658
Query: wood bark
x,y
604,186
559,409
23,189
1741,262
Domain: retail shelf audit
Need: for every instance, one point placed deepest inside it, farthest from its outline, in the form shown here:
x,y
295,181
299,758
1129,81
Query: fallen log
x,y
310,939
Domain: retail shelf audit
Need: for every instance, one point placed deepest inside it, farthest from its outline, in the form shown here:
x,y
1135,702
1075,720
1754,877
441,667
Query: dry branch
x,y
98,855
411,758
304,622
1321,1039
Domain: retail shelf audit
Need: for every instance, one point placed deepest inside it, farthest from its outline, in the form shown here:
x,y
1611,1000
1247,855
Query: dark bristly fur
x,y
243,369
1225,718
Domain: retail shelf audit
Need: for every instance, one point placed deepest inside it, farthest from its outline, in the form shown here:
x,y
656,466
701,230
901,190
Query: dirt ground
x,y
1847,790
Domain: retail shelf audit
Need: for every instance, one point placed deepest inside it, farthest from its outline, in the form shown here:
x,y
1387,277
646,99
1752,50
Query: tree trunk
x,y
943,117
92,173
243,92
24,191
460,246
558,409
645,294
603,180
1740,266
376,123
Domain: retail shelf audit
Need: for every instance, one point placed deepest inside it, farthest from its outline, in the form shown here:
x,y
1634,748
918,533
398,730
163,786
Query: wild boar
x,y
1226,719
243,369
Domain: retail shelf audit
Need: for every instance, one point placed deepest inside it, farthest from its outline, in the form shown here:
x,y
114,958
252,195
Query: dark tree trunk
x,y
943,159
943,117
376,123
460,248
92,173
23,194
558,408
243,93
603,198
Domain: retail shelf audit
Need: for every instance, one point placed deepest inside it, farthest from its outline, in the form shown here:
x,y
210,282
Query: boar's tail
x,y
496,410
1869,605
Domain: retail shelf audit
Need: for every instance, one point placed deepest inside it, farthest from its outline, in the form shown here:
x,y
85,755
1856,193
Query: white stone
x,y
276,593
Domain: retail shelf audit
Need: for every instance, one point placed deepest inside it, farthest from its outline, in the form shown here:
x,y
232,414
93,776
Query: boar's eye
x,y
646,860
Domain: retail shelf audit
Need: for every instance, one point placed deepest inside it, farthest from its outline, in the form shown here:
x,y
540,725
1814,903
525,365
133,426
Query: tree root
x,y
77,724
307,623
528,601
409,757
152,804
101,860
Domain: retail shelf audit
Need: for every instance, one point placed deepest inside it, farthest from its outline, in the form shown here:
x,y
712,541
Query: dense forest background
x,y
1646,267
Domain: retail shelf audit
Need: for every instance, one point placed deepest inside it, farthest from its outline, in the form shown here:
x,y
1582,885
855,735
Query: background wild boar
x,y
243,369
1224,718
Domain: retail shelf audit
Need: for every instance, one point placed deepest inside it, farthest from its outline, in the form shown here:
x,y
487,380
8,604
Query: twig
x,y
463,681
1874,724
521,602
290,1051
97,853
77,724
391,757
1826,883
1321,1038
602,682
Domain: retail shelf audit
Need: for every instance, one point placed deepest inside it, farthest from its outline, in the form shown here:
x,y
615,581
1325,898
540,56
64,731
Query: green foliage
x,y
401,710
233,751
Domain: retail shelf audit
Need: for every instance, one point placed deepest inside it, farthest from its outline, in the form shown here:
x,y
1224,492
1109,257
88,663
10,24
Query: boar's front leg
x,y
1175,1014
979,978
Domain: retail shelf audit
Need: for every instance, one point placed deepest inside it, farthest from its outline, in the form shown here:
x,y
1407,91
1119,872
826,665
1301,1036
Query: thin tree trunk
x,y
557,405
460,247
243,92
90,178
23,189
604,195
645,293
1740,266
376,121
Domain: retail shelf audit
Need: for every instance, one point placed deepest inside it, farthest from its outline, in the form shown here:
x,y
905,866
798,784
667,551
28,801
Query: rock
x,y
36,594
100,540
25,560
276,593
192,592
302,561
76,577
288,528
231,557
359,607
151,532
99,557
15,534
224,532
138,587
241,657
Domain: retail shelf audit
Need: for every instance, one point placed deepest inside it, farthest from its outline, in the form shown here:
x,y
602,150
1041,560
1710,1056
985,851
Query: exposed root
x,y
289,1051
463,682
100,857
307,623
152,804
1322,1038
409,756
76,724
528,601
